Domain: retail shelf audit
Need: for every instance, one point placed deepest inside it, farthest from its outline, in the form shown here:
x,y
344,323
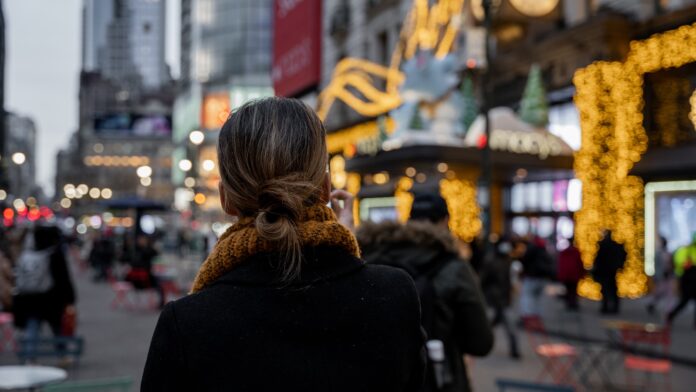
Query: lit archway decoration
x,y
610,101
354,80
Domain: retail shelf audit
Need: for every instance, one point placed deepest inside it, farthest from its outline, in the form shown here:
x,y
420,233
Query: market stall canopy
x,y
510,133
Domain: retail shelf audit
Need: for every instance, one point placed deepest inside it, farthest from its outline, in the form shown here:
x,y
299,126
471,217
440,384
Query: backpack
x,y
427,295
437,374
33,272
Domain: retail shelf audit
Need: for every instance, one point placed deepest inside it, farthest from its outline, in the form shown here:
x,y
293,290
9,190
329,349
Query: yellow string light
x,y
353,187
337,142
404,198
609,97
464,211
692,113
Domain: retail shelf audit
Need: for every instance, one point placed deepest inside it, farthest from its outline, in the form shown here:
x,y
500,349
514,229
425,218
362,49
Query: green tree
x,y
382,135
471,109
534,108
416,119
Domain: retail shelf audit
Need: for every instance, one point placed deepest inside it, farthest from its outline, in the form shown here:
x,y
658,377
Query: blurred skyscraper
x,y
20,150
225,61
223,39
126,98
124,40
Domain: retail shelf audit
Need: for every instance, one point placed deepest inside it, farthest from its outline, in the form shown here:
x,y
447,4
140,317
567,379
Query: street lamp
x,y
196,137
144,171
19,158
208,165
146,181
185,165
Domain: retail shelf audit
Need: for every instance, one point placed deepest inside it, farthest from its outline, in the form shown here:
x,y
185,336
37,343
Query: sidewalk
x,y
117,340
585,324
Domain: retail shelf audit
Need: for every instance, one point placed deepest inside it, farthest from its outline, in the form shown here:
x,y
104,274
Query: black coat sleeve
x,y
472,330
165,369
63,286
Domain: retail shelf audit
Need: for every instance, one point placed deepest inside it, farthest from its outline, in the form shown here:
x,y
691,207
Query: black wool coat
x,y
342,326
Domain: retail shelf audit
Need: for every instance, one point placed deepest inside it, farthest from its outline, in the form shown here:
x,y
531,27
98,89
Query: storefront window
x,y
564,122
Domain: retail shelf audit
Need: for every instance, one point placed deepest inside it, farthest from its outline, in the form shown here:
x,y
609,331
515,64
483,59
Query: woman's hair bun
x,y
281,202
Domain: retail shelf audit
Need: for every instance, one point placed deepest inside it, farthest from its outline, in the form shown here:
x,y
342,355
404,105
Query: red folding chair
x,y
7,332
557,358
122,292
644,338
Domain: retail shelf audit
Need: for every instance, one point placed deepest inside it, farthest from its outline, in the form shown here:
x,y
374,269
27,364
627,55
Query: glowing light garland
x,y
465,221
338,142
404,198
353,187
610,101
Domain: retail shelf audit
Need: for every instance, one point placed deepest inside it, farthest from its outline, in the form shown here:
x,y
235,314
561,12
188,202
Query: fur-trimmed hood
x,y
409,246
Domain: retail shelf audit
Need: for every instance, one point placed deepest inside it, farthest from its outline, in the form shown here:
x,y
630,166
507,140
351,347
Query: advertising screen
x,y
296,45
129,125
216,109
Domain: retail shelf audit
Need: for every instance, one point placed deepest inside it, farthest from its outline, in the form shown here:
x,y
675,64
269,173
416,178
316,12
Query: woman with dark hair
x,y
284,302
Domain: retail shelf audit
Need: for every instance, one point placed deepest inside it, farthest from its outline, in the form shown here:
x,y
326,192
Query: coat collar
x,y
323,263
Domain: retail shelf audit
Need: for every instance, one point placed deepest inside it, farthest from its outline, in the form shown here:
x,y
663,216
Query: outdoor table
x,y
29,377
602,359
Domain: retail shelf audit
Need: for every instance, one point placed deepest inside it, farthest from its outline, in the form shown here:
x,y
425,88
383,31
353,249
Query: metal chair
x,y
519,385
655,337
557,358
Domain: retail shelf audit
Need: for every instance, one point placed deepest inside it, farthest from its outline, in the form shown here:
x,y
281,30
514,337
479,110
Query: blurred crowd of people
x,y
36,285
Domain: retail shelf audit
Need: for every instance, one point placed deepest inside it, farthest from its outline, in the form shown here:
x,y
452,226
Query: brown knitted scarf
x,y
318,226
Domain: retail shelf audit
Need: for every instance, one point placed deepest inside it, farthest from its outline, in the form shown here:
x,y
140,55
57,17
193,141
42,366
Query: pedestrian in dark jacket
x,y
610,258
101,256
454,312
42,293
283,302
537,269
497,289
570,271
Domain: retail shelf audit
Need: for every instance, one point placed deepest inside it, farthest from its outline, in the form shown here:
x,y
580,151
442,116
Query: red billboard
x,y
296,45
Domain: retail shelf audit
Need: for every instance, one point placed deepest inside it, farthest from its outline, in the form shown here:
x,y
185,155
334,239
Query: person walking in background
x,y
685,271
43,287
101,256
537,269
610,258
6,275
662,278
140,274
452,307
570,271
283,302
6,283
497,289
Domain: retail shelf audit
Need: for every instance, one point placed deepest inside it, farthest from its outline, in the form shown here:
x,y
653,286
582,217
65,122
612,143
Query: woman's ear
x,y
326,189
226,205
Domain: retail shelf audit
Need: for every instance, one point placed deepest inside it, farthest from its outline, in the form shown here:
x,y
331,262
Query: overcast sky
x,y
43,65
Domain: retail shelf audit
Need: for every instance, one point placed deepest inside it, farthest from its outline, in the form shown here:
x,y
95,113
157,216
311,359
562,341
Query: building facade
x,y
124,40
381,144
19,157
225,61
125,109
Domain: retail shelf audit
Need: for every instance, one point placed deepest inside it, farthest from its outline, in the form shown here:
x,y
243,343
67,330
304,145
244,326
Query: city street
x,y
117,340
550,145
